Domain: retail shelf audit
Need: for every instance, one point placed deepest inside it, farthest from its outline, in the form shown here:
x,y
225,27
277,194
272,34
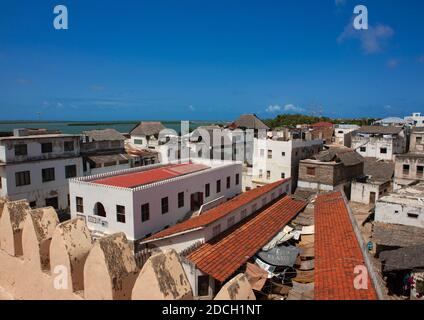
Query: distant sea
x,y
76,127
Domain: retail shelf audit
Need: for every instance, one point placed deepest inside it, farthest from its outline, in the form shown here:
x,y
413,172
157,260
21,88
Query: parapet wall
x,y
41,258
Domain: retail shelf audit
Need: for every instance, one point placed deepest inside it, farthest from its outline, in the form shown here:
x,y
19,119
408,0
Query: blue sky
x,y
211,60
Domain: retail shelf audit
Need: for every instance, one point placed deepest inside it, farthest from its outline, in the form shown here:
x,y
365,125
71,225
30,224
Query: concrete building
x,y
409,167
402,207
144,200
105,151
343,134
330,170
376,182
278,158
381,142
37,167
416,119
154,136
236,230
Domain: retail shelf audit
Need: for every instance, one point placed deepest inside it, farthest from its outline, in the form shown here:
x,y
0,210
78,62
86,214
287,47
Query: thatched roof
x,y
395,235
104,135
381,171
346,156
408,258
250,121
147,128
380,130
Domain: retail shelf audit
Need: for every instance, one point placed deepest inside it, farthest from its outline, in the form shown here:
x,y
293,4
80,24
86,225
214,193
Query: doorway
x,y
372,197
196,201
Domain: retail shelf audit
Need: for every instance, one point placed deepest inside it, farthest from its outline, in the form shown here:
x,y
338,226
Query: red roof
x,y
337,252
132,180
322,124
223,255
218,212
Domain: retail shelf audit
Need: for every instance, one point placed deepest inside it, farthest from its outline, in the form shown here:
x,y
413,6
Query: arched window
x,y
99,210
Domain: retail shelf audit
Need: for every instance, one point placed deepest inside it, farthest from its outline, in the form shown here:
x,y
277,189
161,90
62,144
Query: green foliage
x,y
291,120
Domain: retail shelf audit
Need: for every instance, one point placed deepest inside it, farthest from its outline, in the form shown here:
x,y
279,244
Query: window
x,y
283,154
228,182
47,174
165,205
207,190
52,202
243,214
181,200
33,204
80,204
69,146
216,230
413,215
237,179
23,178
138,141
283,175
115,144
120,214
268,174
218,186
231,221
70,171
203,286
406,169
145,212
269,154
21,150
46,147
99,210
363,149
383,150
420,171
310,171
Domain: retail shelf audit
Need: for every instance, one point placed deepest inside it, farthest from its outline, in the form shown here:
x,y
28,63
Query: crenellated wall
x,y
41,258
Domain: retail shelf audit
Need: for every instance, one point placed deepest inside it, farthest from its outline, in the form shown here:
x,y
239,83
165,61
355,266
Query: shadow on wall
x,y
41,258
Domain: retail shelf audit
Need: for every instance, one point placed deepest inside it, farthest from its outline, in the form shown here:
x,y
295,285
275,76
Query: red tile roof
x,y
223,255
337,252
132,180
218,212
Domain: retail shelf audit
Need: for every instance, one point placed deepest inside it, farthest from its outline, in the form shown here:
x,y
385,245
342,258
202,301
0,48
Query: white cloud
x,y
287,108
372,40
393,63
97,88
191,108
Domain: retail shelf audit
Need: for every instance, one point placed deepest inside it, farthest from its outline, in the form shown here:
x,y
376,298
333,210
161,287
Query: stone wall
x,y
41,258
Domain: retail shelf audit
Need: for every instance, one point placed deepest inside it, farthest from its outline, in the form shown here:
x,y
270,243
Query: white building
x,y
275,159
402,207
416,119
37,167
343,134
144,200
381,142
376,182
227,227
154,136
